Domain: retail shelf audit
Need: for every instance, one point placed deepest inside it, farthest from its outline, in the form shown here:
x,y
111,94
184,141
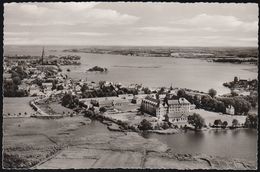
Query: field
x,y
17,105
129,117
27,141
55,108
72,143
127,107
210,117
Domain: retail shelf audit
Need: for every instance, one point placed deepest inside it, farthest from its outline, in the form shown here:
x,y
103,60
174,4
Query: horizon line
x,y
187,46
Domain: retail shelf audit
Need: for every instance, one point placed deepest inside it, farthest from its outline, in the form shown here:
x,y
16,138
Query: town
x,y
122,107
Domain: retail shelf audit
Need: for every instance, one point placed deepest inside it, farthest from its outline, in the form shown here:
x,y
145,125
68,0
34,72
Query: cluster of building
x,y
176,110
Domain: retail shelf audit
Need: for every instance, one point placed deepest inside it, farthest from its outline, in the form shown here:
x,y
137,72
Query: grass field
x,y
27,141
130,117
127,107
16,105
210,117
54,108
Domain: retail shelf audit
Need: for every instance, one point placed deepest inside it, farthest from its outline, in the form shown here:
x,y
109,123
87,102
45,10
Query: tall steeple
x,y
42,54
171,87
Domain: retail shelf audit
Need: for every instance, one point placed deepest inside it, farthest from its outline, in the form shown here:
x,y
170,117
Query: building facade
x,y
176,110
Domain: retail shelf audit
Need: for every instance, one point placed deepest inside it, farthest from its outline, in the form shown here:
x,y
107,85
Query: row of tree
x,y
240,105
209,102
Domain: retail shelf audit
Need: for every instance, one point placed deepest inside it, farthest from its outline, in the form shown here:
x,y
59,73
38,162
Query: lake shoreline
x,y
135,67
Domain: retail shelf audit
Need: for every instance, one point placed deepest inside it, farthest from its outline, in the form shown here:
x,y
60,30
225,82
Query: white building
x,y
176,110
230,110
34,89
47,86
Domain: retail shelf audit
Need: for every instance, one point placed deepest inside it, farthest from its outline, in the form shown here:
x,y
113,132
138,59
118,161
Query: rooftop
x,y
152,99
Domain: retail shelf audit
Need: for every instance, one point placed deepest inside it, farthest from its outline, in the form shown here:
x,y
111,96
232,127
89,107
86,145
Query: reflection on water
x,y
238,143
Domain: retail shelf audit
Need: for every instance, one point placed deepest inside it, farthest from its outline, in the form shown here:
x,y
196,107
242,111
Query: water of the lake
x,y
150,71
238,143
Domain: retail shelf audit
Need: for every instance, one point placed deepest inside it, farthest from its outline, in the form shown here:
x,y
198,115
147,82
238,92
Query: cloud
x,y
64,14
161,29
250,39
53,34
121,23
89,33
16,33
73,6
217,22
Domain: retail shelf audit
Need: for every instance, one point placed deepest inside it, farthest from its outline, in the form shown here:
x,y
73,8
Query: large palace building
x,y
176,110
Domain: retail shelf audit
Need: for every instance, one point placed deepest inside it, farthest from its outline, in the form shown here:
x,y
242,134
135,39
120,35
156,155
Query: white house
x,y
230,110
47,86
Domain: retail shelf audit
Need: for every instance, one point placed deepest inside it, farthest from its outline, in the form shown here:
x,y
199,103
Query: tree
x,y
21,93
251,121
221,107
234,122
135,92
66,99
54,84
19,71
181,93
224,124
165,125
60,87
166,118
88,113
14,74
217,122
196,120
145,125
235,79
102,109
101,84
212,92
241,105
161,90
17,80
233,93
9,88
84,88
147,90
69,101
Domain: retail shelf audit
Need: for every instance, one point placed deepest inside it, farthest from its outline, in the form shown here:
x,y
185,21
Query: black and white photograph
x,y
130,85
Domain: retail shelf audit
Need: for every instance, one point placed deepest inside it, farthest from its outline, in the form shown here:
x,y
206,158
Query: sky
x,y
137,24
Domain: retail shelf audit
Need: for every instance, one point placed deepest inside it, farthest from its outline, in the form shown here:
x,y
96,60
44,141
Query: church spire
x,y
42,54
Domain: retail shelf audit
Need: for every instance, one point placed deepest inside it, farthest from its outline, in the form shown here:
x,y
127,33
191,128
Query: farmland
x,y
17,105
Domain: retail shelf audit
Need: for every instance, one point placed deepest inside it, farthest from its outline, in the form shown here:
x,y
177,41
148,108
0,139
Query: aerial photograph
x,y
130,85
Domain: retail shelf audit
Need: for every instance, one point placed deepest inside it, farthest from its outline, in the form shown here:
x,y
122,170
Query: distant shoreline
x,y
254,70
